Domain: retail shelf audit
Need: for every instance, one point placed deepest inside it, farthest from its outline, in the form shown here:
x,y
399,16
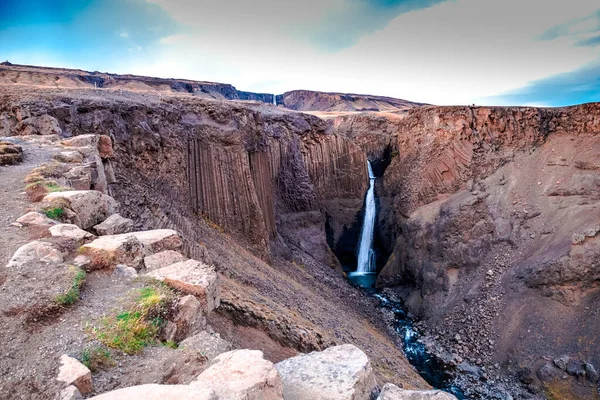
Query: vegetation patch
x,y
50,170
97,359
132,330
72,295
54,212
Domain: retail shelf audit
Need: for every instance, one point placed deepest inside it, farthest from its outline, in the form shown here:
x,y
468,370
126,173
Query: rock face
x,y
188,320
72,372
393,392
242,375
90,206
159,392
192,277
340,372
305,100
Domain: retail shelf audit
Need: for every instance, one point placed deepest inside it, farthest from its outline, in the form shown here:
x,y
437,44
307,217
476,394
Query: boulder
x,y
339,372
34,218
10,153
192,277
98,175
242,375
189,320
82,261
105,147
79,177
70,393
71,232
159,392
114,225
393,392
71,156
108,251
72,372
90,206
208,344
124,272
163,259
35,251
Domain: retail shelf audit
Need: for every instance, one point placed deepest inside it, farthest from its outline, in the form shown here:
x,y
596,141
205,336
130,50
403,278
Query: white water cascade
x,y
274,99
366,255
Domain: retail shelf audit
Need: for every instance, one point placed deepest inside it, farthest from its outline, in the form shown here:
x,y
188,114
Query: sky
x,y
510,52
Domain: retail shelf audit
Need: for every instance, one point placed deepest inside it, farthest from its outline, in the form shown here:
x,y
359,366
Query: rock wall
x,y
306,100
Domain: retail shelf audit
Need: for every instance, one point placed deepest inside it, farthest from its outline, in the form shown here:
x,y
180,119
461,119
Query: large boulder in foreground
x,y
158,240
210,345
34,218
160,392
192,277
393,392
337,373
90,206
242,375
163,259
71,232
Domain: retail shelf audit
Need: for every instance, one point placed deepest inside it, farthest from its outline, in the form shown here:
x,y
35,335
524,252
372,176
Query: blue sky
x,y
437,51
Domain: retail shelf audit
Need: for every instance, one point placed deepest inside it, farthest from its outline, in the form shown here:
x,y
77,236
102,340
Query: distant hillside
x,y
306,100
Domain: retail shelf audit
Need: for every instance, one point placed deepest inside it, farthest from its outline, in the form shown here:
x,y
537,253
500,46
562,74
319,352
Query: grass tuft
x,y
72,295
54,212
97,359
132,330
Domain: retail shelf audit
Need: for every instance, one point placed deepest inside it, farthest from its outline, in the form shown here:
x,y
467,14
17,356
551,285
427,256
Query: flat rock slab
x,y
192,277
242,375
163,259
70,393
393,392
72,372
33,252
114,225
90,206
160,392
108,251
337,373
158,240
71,232
210,345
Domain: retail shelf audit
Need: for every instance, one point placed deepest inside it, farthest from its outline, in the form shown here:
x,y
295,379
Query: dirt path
x,y
13,202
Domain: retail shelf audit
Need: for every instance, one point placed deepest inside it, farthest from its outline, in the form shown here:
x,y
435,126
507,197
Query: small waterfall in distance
x,y
366,268
274,99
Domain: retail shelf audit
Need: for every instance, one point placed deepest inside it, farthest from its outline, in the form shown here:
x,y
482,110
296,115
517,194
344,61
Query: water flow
x,y
366,256
275,99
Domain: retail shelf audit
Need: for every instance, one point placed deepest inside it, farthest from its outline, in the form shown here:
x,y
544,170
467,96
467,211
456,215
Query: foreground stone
x,y
158,240
124,272
393,392
72,372
192,277
163,259
160,392
10,153
242,375
210,345
337,373
34,218
90,206
87,140
70,393
36,251
108,251
114,225
71,232
189,320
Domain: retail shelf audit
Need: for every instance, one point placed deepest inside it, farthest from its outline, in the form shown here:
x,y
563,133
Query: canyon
x,y
487,226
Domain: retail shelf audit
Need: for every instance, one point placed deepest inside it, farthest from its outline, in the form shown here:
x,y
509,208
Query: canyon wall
x,y
306,100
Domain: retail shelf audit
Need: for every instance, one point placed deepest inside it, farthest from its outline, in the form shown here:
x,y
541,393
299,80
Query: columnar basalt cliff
x,y
307,100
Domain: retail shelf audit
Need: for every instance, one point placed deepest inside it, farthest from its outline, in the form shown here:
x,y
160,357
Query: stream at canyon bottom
x,y
427,365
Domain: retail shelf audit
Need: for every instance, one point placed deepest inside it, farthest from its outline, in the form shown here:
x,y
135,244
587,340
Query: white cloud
x,y
124,35
459,51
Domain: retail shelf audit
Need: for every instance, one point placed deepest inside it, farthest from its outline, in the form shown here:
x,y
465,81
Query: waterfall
x,y
366,256
274,99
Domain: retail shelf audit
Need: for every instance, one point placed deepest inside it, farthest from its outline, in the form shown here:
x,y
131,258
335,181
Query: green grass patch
x,y
132,330
54,212
72,295
170,344
50,186
97,359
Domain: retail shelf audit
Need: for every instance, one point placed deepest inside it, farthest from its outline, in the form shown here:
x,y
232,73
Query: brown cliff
x,y
306,100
